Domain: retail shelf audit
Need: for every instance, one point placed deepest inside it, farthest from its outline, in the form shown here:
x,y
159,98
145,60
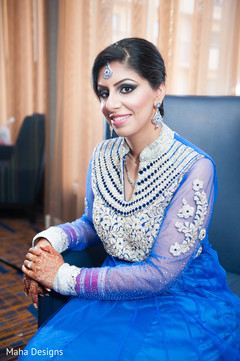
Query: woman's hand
x,y
33,288
42,263
30,286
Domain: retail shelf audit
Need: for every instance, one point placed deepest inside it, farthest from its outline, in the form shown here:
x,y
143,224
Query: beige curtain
x,y
23,60
85,28
79,121
198,39
200,42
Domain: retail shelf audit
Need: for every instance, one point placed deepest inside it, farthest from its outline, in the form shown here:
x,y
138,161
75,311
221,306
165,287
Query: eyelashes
x,y
103,93
123,89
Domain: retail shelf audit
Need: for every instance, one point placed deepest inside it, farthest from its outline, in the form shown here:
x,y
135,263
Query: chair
x,y
21,167
213,124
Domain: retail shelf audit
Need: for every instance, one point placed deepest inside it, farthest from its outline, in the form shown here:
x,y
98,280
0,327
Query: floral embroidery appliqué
x,y
128,229
186,211
192,231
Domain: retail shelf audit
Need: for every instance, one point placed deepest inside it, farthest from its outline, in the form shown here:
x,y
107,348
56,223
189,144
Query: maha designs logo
x,y
33,352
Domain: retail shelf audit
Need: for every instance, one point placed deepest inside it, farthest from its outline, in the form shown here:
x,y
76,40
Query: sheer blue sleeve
x,y
179,241
79,234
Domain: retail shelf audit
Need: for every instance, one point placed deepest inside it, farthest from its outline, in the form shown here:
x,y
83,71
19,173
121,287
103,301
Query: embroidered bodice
x,y
128,228
152,238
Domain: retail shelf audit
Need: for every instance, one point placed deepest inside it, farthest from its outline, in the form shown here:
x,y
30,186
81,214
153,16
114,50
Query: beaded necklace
x,y
133,160
130,180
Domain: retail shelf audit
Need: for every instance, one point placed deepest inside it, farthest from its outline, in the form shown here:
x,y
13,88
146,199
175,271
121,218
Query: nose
x,y
113,102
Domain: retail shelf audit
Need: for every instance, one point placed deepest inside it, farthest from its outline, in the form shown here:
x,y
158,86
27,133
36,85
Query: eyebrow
x,y
117,83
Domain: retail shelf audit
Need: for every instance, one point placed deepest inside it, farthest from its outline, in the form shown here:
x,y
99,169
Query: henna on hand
x,y
42,263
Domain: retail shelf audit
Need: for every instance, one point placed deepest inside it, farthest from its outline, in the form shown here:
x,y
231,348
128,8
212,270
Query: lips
x,y
118,120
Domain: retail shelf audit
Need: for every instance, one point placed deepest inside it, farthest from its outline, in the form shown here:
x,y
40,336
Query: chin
x,y
123,132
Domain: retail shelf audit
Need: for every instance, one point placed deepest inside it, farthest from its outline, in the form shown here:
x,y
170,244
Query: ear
x,y
159,94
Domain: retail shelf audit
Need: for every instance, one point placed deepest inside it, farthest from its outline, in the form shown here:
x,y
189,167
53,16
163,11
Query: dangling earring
x,y
157,119
111,131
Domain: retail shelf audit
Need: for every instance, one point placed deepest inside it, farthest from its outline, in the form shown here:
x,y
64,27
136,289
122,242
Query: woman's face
x,y
128,100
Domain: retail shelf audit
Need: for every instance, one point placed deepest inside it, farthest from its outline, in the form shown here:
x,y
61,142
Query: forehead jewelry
x,y
107,72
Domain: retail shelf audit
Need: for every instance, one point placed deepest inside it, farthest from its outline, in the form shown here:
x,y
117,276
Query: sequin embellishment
x,y
191,230
129,228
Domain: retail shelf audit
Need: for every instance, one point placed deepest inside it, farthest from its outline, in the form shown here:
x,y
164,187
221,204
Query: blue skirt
x,y
198,318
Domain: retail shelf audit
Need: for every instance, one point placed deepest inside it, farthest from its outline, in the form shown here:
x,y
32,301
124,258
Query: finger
x,y
28,282
25,285
43,291
31,257
48,249
28,264
27,271
35,250
34,293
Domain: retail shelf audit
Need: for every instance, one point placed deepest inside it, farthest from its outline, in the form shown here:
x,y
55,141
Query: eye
x,y
125,89
102,94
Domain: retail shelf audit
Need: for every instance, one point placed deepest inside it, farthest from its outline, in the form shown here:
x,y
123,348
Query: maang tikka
x,y
107,72
157,119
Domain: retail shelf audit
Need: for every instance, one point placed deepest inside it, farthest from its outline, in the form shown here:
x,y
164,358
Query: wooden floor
x,y
18,317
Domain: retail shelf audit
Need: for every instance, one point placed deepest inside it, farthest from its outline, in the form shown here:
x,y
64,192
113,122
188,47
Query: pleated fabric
x,y
189,321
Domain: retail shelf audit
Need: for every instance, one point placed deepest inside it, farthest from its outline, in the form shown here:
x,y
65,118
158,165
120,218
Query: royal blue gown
x,y
161,293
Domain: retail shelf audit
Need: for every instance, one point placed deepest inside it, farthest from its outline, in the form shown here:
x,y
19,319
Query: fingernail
x,y
46,294
41,295
48,289
26,294
35,305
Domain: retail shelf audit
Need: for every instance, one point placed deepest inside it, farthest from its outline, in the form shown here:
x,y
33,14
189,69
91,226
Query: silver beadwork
x,y
191,229
129,228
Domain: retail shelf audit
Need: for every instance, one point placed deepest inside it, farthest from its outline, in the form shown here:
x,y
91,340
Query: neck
x,y
137,144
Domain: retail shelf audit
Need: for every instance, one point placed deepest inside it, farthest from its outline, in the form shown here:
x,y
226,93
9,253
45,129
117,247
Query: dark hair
x,y
139,54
